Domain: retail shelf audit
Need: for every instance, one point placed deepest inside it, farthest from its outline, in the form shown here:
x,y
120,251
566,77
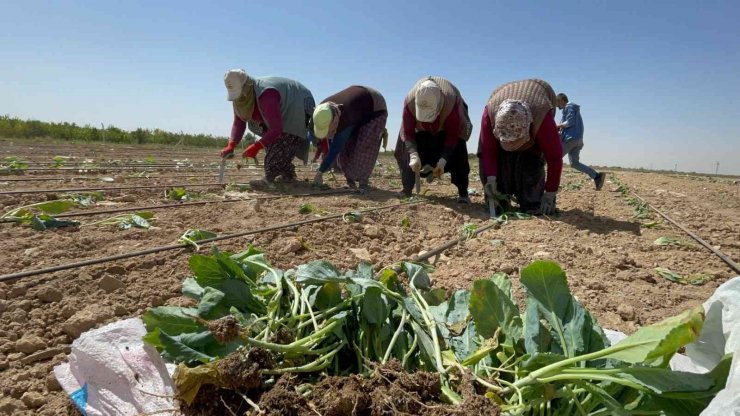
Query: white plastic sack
x,y
720,335
110,371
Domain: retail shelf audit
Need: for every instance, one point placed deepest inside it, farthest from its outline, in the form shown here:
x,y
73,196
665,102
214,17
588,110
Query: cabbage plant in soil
x,y
314,321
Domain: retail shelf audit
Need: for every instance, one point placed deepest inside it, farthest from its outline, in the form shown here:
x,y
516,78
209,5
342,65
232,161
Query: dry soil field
x,y
609,258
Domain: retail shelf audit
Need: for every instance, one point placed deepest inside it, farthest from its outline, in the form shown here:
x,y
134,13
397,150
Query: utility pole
x,y
675,167
716,169
102,131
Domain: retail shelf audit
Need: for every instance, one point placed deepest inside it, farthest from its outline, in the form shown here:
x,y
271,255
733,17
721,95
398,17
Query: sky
x,y
658,82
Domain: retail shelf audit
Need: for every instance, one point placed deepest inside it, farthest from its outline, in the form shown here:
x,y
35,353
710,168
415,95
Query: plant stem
x,y
395,337
593,376
529,379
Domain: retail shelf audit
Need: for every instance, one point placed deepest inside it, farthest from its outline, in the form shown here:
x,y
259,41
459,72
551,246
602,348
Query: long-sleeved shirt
x,y
269,102
451,128
572,123
335,147
547,140
322,147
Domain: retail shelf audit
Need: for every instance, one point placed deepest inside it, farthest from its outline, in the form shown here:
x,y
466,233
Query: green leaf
x,y
178,194
661,380
181,352
418,274
253,262
539,360
504,283
306,208
328,296
458,308
537,338
435,297
573,329
670,275
191,237
661,339
319,272
491,309
140,221
465,344
172,320
210,306
54,207
374,307
426,345
192,289
43,222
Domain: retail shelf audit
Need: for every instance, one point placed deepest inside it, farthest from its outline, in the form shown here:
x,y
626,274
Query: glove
x,y
253,149
414,161
490,186
547,206
440,168
229,148
319,178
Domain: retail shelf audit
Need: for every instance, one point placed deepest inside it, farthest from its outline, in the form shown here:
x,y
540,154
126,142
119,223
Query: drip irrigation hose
x,y
117,188
734,266
61,267
190,204
449,244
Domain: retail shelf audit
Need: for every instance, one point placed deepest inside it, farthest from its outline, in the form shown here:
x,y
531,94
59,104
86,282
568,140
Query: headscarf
x,y
513,119
244,105
337,114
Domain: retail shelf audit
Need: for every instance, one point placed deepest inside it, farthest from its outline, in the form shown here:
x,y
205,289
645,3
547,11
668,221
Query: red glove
x,y
253,149
229,148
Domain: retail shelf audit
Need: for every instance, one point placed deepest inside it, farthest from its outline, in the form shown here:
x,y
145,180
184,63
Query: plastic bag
x,y
720,335
110,371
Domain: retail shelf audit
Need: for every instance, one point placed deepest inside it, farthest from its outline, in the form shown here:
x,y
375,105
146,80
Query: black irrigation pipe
x,y
117,188
734,266
452,243
117,168
93,178
190,204
61,267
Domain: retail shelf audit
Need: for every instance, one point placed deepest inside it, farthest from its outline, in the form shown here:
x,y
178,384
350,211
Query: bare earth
x,y
608,257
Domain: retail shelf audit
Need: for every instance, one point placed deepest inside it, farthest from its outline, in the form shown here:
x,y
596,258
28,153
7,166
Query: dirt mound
x,y
241,370
388,391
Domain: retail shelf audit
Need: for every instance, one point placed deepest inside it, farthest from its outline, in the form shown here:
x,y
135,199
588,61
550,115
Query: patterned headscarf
x,y
337,114
244,105
513,119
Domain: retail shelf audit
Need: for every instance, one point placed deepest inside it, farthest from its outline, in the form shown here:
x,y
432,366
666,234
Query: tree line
x,y
13,127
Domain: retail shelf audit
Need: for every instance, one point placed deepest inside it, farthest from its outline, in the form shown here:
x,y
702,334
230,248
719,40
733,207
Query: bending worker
x,y
518,136
279,109
434,132
351,122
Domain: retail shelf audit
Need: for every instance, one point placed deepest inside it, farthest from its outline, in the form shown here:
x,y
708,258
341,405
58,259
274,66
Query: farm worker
x,y
351,122
571,137
434,131
518,136
277,109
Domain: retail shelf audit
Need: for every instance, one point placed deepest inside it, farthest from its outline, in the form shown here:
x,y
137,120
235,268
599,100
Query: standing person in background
x,y
571,137
280,109
517,136
434,131
351,122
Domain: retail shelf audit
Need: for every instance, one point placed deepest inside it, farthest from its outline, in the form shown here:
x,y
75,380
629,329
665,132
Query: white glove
x,y
440,168
490,187
547,206
414,161
319,178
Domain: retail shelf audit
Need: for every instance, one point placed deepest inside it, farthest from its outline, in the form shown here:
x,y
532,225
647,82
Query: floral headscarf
x,y
513,119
